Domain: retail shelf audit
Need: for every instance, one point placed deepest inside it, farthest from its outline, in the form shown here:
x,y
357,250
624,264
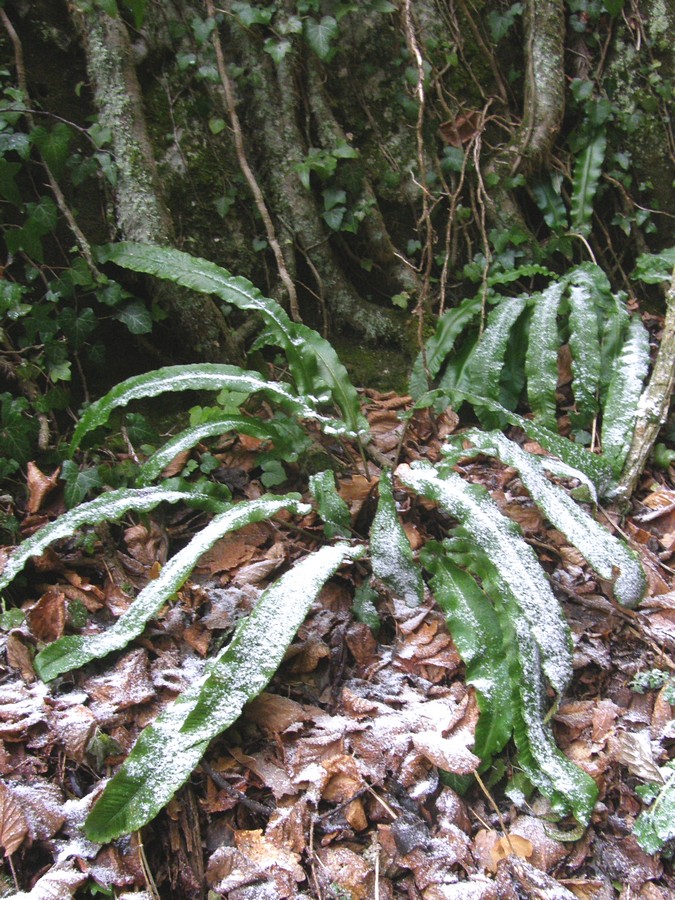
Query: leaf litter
x,y
348,776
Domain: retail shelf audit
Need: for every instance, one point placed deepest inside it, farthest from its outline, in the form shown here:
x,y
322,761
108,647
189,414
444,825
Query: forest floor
x,y
330,784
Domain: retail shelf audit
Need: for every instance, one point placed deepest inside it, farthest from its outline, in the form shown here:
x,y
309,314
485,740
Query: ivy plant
x,y
507,624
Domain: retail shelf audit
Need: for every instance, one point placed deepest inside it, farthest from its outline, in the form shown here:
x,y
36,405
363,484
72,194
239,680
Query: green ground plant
x,y
507,624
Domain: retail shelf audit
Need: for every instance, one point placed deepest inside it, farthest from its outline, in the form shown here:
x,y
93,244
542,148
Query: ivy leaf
x,y
79,482
653,268
136,317
277,49
249,15
54,144
320,36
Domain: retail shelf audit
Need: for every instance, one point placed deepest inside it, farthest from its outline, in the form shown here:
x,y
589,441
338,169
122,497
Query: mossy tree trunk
x,y
369,164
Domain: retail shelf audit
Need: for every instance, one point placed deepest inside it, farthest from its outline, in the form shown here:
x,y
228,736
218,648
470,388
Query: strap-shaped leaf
x,y
623,395
541,361
587,171
584,344
477,634
314,365
547,196
567,786
603,551
75,650
203,377
593,466
390,551
451,324
332,508
106,508
168,750
514,561
334,376
185,440
656,825
483,370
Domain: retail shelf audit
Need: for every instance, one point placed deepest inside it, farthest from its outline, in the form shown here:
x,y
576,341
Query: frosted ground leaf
x,y
603,551
168,750
513,558
391,554
75,650
106,508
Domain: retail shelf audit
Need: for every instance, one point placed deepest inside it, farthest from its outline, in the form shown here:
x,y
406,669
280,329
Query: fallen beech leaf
x,y
356,488
461,129
545,852
47,619
633,750
448,753
39,485
19,657
13,827
346,870
510,845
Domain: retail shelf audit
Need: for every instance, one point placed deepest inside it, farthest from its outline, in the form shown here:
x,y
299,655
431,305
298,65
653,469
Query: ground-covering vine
x,y
516,627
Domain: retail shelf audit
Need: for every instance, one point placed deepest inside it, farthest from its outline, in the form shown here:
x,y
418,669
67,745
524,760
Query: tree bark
x,y
653,406
140,209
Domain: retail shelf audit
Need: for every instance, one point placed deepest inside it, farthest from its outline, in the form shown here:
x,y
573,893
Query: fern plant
x,y
506,622
515,358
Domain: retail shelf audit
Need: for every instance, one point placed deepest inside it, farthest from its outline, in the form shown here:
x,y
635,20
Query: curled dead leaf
x,y
13,827
510,845
39,486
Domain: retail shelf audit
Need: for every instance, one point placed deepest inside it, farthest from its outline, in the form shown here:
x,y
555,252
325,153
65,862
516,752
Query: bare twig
x,y
653,405
231,107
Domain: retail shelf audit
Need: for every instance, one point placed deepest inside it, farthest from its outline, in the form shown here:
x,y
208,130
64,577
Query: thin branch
x,y
231,107
653,405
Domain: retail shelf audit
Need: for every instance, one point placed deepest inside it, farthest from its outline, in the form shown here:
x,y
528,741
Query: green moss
x,y
380,368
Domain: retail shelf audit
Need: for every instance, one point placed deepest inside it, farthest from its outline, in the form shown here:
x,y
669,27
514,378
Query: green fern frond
x,y
168,751
587,171
541,360
623,395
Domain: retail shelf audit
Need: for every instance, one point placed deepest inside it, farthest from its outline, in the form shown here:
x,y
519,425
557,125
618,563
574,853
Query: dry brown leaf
x,y
13,827
461,129
39,486
19,657
510,845
42,806
73,727
451,753
147,544
47,619
234,549
274,714
633,749
346,870
344,779
545,852
177,464
266,854
126,684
